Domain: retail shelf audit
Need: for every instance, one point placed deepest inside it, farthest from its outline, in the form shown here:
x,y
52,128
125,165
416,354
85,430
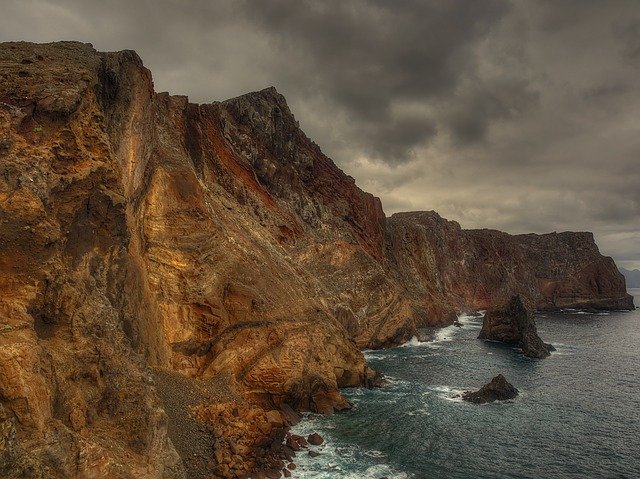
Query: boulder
x,y
315,439
293,443
499,389
513,323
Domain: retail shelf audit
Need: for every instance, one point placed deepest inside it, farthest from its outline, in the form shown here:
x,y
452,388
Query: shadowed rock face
x,y
138,229
445,267
514,323
499,389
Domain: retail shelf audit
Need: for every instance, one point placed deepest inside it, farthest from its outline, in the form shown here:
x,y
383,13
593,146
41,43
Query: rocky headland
x,y
152,248
632,277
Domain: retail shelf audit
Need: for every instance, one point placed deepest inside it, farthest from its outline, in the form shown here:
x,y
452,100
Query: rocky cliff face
x,y
140,230
134,231
447,267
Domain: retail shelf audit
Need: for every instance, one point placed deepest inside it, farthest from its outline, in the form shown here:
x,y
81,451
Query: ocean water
x,y
577,415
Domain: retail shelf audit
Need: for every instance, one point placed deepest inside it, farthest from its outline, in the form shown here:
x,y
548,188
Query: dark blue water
x,y
578,414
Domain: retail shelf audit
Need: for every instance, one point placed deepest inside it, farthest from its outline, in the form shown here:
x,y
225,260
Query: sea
x,y
577,414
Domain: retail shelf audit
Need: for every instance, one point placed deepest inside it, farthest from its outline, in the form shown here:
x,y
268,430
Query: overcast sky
x,y
517,115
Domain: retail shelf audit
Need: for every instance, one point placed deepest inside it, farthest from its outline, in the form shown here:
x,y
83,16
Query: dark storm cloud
x,y
485,103
627,31
520,115
372,58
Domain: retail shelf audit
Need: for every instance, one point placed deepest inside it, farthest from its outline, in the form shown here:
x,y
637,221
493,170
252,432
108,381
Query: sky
x,y
522,116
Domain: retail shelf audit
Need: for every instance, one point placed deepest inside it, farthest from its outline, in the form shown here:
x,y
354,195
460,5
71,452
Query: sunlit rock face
x,y
138,229
134,231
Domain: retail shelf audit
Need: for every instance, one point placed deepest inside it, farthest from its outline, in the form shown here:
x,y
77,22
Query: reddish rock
x,y
315,439
445,268
293,443
139,227
290,416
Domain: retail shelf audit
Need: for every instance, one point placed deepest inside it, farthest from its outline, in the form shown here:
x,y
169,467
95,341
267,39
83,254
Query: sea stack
x,y
499,389
513,323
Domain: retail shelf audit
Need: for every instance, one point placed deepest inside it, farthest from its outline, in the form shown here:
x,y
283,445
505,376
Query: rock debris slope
x,y
138,229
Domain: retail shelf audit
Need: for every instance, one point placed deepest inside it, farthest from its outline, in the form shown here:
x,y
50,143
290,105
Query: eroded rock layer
x,y
138,229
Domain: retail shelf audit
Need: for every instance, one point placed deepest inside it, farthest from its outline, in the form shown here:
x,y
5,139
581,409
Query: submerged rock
x,y
499,389
514,324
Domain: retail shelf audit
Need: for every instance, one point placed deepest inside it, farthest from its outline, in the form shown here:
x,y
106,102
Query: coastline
x,y
340,454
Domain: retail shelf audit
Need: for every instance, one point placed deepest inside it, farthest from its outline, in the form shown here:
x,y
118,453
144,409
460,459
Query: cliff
x,y
139,230
447,267
632,277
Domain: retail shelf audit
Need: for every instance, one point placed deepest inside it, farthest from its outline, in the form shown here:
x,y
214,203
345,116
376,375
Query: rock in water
x,y
499,389
514,324
315,439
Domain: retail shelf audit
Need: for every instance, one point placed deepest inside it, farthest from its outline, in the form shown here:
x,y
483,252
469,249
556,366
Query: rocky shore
x,y
164,263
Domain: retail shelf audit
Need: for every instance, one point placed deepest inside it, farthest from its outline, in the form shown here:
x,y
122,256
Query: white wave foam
x,y
583,312
348,461
447,393
414,342
563,349
396,382
332,470
376,355
471,318
419,412
440,336
446,333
